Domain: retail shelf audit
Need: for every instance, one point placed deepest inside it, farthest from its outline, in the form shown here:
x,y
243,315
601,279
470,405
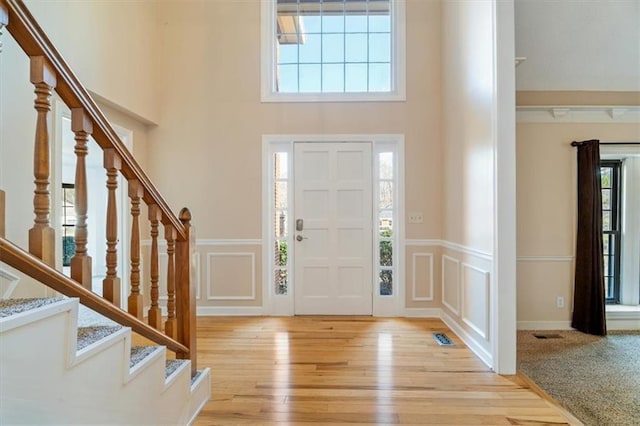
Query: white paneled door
x,y
333,234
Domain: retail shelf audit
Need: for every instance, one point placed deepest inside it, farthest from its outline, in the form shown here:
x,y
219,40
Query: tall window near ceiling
x,y
611,227
333,50
280,223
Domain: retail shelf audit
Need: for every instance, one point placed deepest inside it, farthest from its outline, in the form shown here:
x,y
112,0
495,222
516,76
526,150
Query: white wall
x,y
578,45
472,57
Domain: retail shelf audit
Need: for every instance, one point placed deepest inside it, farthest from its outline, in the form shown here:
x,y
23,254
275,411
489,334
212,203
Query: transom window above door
x,y
332,50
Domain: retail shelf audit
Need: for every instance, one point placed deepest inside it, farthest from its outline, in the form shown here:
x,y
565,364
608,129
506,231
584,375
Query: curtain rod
x,y
574,143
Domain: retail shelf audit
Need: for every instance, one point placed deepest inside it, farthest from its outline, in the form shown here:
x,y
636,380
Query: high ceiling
x,y
578,44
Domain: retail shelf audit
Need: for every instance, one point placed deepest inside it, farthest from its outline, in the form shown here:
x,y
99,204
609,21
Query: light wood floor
x,y
354,370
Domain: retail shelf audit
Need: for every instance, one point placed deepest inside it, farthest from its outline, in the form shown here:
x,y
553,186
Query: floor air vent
x,y
546,336
442,339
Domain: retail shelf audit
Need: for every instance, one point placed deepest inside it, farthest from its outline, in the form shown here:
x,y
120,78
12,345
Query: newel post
x,y
42,235
185,290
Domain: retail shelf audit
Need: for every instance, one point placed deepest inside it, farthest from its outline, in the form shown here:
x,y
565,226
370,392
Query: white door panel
x,y
333,260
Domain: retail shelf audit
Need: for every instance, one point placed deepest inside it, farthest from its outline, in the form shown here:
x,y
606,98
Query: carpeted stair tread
x,y
172,366
10,307
194,378
138,353
89,335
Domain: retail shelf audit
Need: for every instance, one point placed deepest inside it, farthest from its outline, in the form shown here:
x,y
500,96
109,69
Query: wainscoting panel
x,y
451,283
8,283
422,272
475,299
163,258
227,275
231,276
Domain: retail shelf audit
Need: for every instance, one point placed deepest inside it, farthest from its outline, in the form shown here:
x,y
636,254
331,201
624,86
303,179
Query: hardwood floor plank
x,y
354,370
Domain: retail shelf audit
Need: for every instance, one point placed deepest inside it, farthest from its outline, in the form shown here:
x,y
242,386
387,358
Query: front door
x,y
333,234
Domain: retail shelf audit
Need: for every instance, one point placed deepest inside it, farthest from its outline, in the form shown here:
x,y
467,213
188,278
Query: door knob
x,y
300,237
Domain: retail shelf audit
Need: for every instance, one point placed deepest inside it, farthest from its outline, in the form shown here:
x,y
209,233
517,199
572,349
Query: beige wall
x,y
110,46
469,139
546,194
213,120
207,151
468,135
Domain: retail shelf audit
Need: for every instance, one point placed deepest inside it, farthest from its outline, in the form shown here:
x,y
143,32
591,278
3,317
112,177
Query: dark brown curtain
x,y
589,298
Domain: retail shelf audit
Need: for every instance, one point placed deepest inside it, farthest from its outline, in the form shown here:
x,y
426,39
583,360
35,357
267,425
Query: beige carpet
x,y
595,378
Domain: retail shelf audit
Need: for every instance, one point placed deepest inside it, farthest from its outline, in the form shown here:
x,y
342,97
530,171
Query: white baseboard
x,y
623,320
619,324
422,312
240,311
468,339
544,325
615,321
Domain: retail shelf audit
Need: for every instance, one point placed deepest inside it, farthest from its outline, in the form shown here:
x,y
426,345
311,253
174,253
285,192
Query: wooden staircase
x,y
55,323
100,381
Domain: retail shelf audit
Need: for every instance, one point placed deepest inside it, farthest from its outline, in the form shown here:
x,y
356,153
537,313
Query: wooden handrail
x,y
34,42
49,71
19,259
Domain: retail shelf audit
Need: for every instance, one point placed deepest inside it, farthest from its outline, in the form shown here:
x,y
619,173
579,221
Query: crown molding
x,y
578,114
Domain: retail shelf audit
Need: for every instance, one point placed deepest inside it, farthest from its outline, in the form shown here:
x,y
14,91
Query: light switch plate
x,y
416,217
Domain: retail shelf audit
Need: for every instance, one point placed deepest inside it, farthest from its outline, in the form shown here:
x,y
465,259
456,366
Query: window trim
x,y
616,225
398,63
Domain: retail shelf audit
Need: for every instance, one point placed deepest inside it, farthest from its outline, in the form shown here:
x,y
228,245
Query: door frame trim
x,y
284,304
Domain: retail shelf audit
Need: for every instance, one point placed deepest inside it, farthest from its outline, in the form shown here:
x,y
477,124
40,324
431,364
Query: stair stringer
x,y
45,380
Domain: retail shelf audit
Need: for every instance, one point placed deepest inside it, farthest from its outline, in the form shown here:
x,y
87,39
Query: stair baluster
x,y
42,235
81,262
135,298
111,283
155,314
170,328
48,71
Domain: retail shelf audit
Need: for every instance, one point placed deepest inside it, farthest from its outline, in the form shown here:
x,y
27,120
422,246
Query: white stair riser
x,y
43,382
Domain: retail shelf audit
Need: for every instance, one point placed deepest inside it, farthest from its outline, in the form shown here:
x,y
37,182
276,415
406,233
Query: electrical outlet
x,y
416,217
560,302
